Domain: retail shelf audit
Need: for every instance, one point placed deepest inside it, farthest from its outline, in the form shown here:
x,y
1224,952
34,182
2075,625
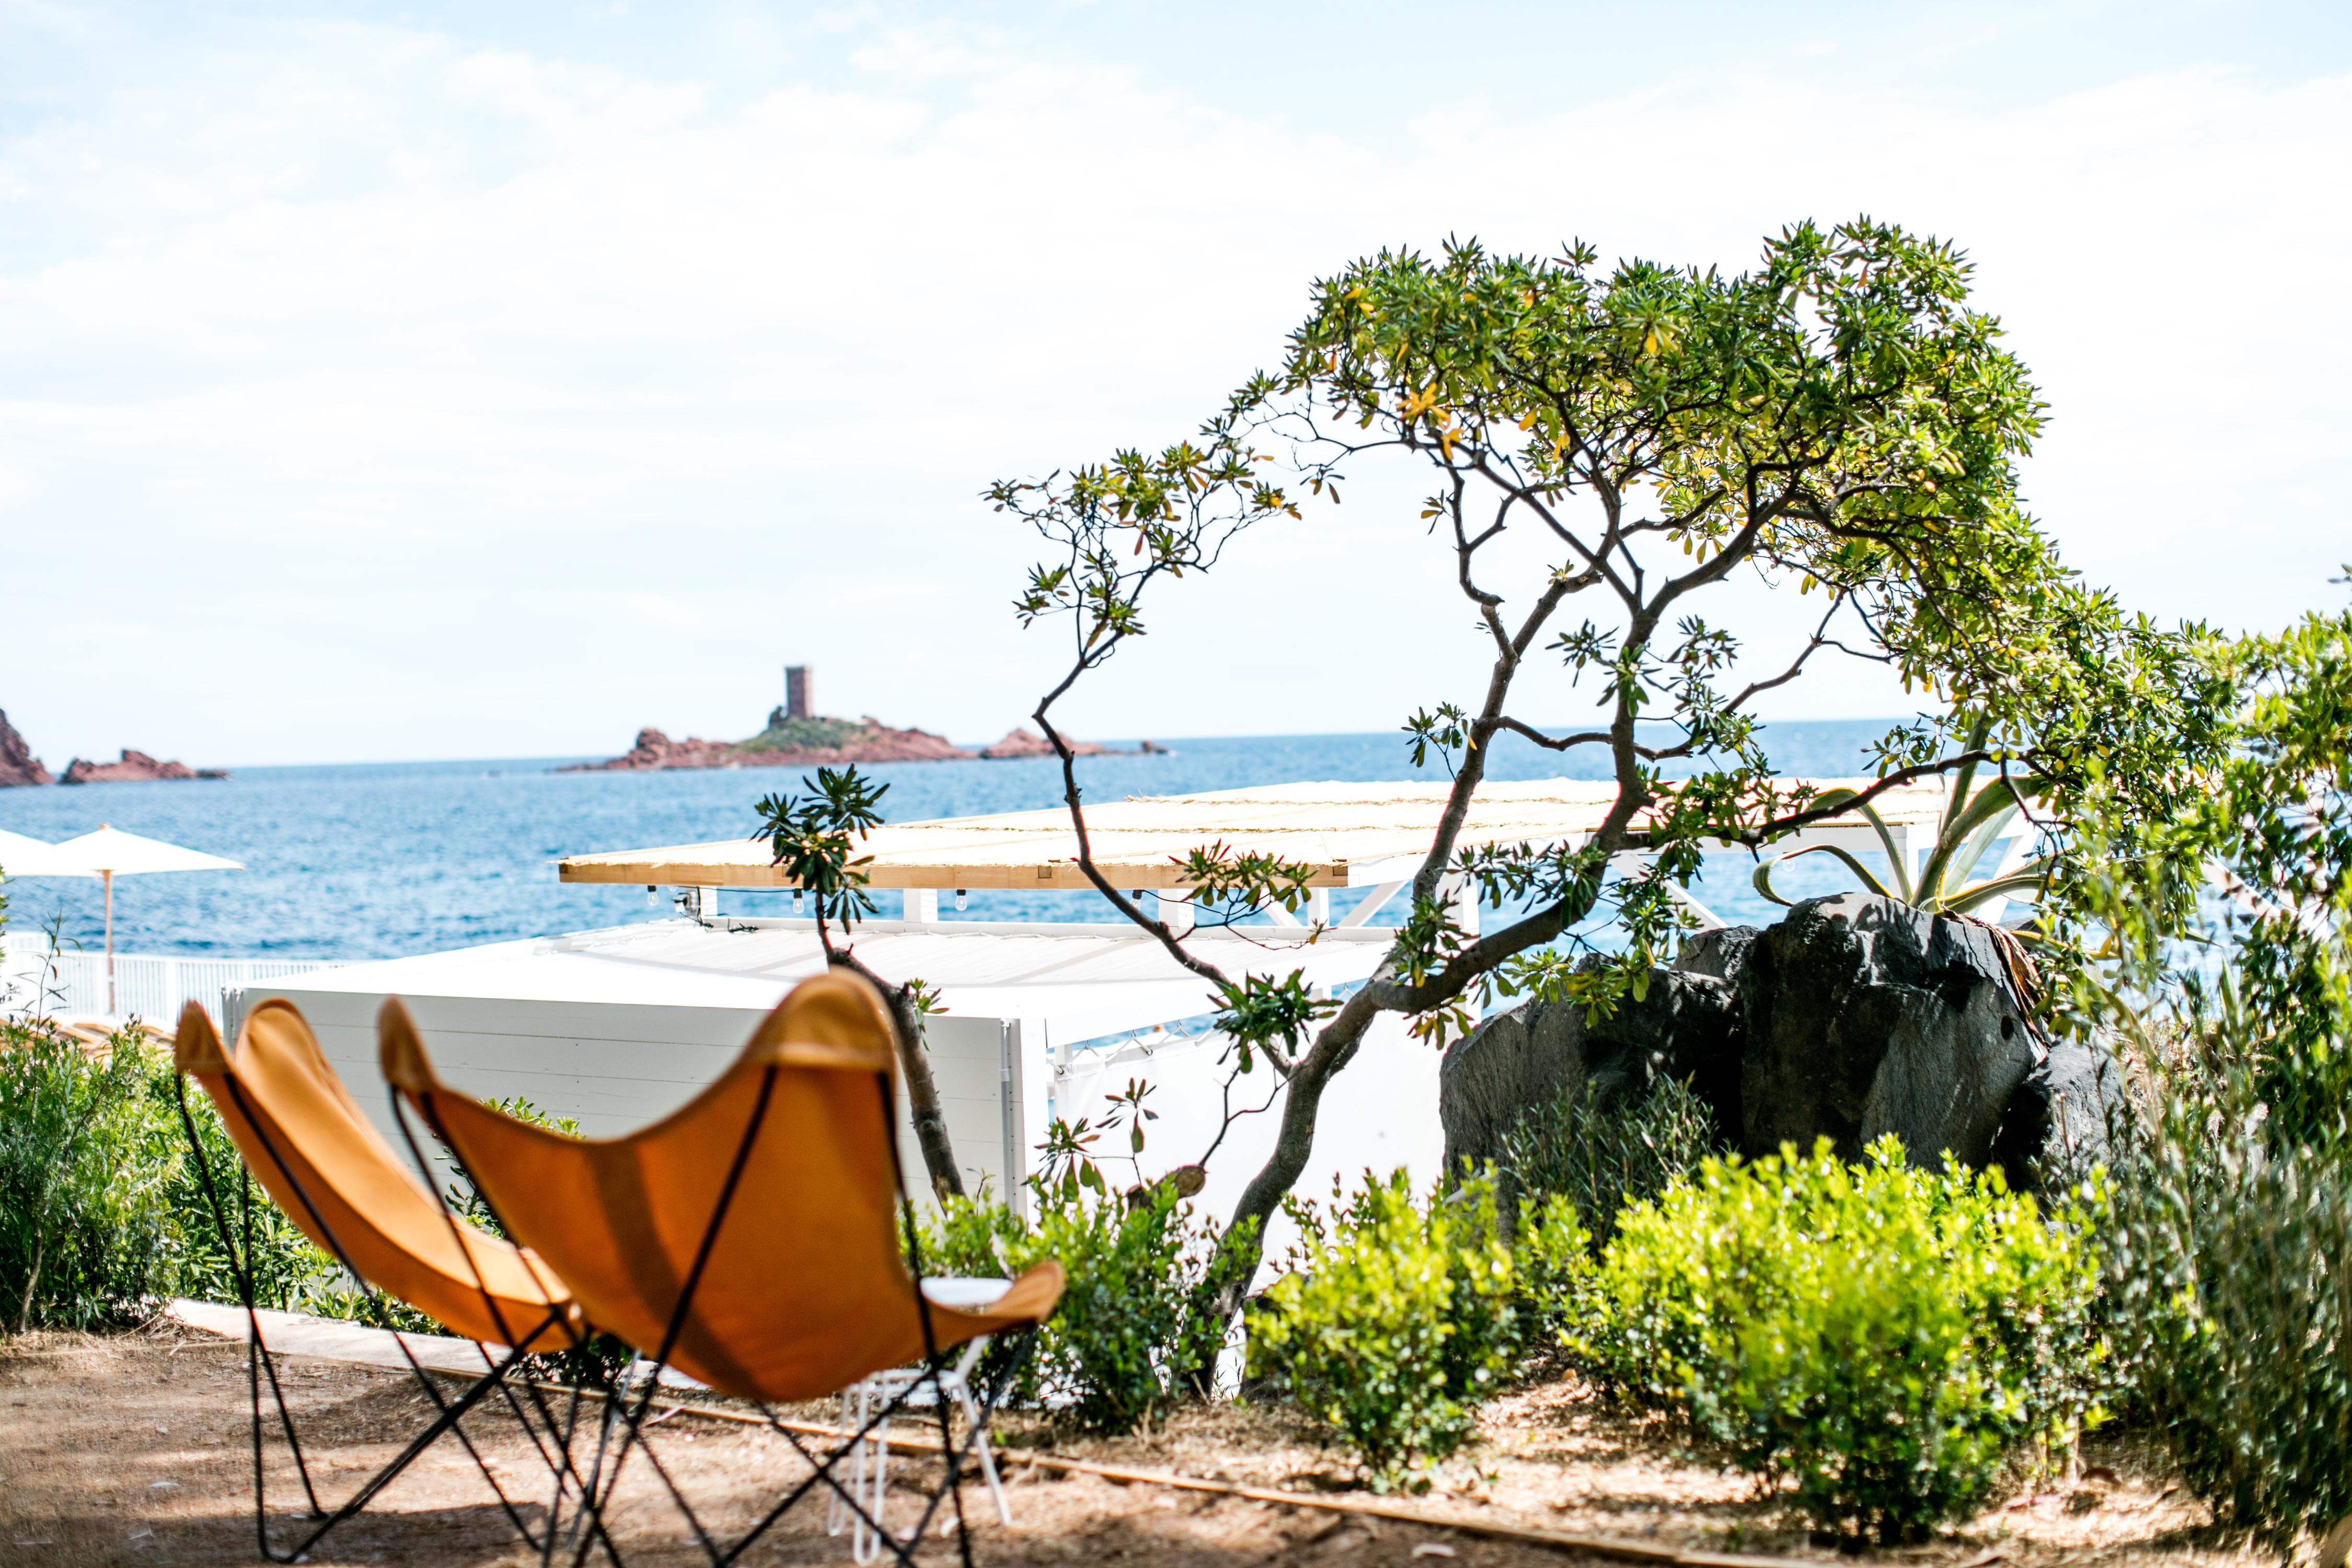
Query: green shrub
x,y
2234,1301
1395,1320
1880,1336
1136,1330
1603,1157
85,1225
103,1211
1555,1284
288,1273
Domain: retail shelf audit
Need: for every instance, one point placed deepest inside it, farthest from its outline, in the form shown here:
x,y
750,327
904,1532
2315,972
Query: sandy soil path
x,y
131,1450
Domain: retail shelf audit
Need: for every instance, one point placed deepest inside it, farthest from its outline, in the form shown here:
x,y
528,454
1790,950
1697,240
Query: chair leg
x,y
981,1448
870,1526
869,1460
837,1517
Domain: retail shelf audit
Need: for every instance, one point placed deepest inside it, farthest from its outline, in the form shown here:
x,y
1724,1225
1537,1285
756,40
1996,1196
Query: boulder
x,y
1685,1027
1513,1061
17,763
1719,954
2058,1122
1865,1017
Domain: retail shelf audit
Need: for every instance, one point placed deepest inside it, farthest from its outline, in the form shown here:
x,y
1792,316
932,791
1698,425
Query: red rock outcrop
x,y
136,767
17,763
1021,743
868,740
656,750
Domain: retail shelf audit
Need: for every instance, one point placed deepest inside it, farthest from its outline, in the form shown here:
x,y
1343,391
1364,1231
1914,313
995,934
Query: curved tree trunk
x,y
1333,1049
915,1067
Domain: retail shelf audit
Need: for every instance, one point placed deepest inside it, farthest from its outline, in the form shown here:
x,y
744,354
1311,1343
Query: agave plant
x,y
1970,824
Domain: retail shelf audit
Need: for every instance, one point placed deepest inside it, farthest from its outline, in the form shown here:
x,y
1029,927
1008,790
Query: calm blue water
x,y
375,861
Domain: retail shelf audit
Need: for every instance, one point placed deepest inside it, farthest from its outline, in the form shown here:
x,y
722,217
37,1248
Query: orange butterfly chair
x,y
304,1139
750,1238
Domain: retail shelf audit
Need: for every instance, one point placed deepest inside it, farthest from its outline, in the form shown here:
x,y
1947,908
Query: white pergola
x,y
1370,836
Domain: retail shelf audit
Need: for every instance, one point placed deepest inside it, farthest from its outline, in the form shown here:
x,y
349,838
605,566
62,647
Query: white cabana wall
x,y
618,1027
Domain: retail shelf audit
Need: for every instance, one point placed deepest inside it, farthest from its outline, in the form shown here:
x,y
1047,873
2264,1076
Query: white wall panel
x,y
614,1067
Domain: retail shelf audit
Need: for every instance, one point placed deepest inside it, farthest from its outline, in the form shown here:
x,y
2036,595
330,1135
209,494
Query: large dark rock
x,y
1864,1017
1719,954
1525,1057
2058,1123
1685,1027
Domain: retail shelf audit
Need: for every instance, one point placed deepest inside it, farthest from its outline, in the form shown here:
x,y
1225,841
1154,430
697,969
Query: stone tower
x,y
798,703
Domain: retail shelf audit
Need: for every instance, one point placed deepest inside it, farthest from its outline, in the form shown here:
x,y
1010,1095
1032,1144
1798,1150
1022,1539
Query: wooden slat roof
x,y
1351,834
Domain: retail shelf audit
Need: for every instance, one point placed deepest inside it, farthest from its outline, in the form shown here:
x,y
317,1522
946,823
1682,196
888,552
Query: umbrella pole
x,y
108,878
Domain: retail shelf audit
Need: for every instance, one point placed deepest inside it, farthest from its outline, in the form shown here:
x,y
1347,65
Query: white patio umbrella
x,y
110,853
23,857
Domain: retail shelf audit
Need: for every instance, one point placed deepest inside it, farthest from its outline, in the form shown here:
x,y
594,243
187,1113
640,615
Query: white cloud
x,y
369,394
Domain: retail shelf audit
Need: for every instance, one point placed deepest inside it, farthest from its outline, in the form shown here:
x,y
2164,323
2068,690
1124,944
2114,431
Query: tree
x,y
813,838
1838,420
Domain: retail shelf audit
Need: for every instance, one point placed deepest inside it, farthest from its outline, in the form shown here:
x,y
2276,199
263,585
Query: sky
x,y
417,382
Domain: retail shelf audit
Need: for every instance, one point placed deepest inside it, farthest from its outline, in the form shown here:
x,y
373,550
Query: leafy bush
x,y
1603,1157
1135,1331
2230,927
1396,1320
2229,1267
1878,1334
1554,1282
288,1273
85,1227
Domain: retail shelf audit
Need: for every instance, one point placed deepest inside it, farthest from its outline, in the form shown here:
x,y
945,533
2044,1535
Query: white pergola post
x,y
919,905
1177,911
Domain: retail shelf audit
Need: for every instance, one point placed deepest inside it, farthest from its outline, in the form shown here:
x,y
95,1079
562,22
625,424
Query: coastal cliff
x,y
17,763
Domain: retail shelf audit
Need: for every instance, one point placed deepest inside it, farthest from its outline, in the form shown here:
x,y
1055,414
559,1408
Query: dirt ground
x,y
132,1449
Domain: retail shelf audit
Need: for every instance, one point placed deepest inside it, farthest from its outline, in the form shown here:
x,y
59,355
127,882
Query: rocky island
x,y
786,741
19,766
134,767
1021,743
797,736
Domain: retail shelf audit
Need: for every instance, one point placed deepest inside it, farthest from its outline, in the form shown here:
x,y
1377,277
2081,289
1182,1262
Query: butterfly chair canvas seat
x,y
306,1143
304,1139
749,1238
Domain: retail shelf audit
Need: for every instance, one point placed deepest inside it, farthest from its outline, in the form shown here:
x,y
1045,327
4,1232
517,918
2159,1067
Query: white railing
x,y
35,978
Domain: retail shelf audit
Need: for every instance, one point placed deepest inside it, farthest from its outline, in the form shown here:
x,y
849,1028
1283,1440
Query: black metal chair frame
x,y
259,1364
565,1433
630,1415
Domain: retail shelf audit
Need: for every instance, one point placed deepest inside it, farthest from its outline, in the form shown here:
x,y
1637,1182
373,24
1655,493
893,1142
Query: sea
x,y
379,861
